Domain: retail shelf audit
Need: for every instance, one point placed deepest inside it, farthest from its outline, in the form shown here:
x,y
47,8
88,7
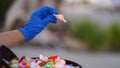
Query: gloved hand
x,y
38,20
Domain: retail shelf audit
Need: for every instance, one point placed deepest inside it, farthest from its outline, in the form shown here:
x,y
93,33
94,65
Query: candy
x,y
61,62
25,61
38,66
59,66
14,64
54,58
23,57
33,65
49,64
60,17
40,62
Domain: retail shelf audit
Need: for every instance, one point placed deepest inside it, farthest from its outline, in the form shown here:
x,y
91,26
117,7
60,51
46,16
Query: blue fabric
x,y
38,20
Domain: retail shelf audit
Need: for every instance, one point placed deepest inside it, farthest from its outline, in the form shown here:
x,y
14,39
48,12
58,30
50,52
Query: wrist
x,y
30,31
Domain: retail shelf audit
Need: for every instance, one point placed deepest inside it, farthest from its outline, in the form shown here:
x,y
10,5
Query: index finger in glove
x,y
44,11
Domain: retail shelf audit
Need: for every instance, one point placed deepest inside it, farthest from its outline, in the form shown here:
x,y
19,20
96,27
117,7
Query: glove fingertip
x,y
53,19
50,10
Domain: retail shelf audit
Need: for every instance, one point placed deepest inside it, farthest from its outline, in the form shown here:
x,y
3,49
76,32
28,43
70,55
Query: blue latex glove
x,y
38,20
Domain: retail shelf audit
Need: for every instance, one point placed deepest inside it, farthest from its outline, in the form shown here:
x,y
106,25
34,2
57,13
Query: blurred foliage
x,y
97,39
114,36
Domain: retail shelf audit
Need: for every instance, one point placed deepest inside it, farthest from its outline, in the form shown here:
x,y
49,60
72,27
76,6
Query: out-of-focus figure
x,y
4,6
18,13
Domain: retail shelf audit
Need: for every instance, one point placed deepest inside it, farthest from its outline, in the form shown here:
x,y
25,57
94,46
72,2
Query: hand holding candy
x,y
38,20
60,17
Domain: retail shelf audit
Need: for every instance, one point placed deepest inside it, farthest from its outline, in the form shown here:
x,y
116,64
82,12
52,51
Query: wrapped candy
x,y
54,58
40,62
14,64
49,64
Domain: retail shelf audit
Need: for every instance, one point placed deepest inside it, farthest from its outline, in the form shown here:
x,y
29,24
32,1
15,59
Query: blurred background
x,y
91,37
